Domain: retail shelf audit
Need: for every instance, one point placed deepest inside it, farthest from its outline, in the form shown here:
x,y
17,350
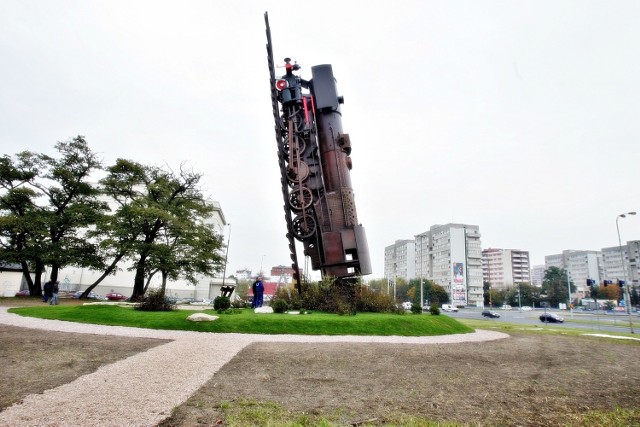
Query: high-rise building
x,y
612,260
399,260
503,268
537,275
451,256
581,265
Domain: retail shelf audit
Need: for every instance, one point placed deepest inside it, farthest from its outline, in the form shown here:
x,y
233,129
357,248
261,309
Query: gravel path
x,y
142,390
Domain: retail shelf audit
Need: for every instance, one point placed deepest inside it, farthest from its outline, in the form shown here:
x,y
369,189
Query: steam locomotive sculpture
x,y
315,163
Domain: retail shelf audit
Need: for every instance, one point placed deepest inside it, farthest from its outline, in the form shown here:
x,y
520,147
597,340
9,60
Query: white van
x,y
449,307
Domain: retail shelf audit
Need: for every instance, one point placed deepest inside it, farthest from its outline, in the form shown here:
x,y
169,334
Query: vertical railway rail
x,y
315,164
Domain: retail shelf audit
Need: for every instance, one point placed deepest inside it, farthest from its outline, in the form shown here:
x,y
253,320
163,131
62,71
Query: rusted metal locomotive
x,y
315,163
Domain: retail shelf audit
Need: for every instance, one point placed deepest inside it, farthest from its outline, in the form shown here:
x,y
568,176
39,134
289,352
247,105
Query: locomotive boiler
x,y
314,154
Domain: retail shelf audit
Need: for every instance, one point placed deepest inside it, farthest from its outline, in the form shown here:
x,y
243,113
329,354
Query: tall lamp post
x,y
226,255
624,269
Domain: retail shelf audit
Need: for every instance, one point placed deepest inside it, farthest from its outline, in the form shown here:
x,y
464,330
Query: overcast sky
x,y
519,117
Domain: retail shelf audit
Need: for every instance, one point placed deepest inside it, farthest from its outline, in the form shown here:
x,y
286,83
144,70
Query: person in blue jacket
x,y
258,293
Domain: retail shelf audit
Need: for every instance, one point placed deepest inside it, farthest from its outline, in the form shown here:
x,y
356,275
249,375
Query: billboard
x,y
458,288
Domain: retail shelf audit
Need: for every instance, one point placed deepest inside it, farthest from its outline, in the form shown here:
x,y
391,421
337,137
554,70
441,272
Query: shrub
x,y
416,309
221,303
238,303
154,300
288,295
434,309
279,306
368,300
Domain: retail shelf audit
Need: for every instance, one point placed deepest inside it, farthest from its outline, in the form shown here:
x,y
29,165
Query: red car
x,y
115,296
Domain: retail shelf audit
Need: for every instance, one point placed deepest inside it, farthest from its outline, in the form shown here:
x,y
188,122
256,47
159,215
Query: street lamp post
x,y
226,255
421,285
624,270
261,261
569,290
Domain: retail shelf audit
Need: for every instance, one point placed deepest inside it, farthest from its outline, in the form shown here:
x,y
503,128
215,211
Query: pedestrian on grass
x,y
48,291
54,295
258,293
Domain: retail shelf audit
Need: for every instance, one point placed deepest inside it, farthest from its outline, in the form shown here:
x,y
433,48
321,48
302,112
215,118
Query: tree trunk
x,y
105,274
164,282
146,286
38,282
138,283
33,291
55,269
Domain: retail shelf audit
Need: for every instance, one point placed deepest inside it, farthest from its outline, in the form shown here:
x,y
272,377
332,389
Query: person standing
x,y
54,294
259,292
48,291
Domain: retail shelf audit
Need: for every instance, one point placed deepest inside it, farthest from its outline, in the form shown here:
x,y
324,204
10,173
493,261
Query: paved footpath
x,y
143,389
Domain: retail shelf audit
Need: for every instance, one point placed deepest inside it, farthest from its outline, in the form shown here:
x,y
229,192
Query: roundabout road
x,y
591,321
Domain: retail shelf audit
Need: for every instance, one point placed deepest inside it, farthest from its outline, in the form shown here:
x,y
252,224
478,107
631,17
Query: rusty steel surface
x,y
314,156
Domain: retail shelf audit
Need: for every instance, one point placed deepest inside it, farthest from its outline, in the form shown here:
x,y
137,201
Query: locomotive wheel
x,y
298,173
300,198
304,226
285,146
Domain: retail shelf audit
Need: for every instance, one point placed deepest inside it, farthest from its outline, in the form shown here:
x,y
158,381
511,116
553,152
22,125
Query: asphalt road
x,y
618,322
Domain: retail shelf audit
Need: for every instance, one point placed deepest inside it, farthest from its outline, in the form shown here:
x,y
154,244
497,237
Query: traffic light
x,y
621,283
591,282
607,283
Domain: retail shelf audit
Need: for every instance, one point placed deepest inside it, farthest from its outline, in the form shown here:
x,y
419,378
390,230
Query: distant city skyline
x,y
520,117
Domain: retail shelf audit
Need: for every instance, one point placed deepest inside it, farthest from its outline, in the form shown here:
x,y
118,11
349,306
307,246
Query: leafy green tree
x,y
379,285
498,297
635,297
72,205
47,205
160,216
528,294
188,247
486,293
554,286
438,294
20,225
612,292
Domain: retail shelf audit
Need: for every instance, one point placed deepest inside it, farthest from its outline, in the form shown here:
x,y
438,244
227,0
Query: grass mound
x,y
247,321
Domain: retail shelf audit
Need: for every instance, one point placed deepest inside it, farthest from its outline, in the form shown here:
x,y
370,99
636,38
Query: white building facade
x,y
208,287
503,268
537,275
580,265
622,263
451,256
400,260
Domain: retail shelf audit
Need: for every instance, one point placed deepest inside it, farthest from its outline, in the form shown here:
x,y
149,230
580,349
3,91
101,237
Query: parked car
x,y
23,293
115,296
406,305
526,308
92,295
490,313
551,318
449,307
506,307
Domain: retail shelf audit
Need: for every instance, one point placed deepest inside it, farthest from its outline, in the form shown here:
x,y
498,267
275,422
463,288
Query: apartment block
x,y
400,260
503,268
537,275
581,265
613,259
451,256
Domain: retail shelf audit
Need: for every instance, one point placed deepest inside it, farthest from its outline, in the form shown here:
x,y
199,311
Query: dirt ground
x,y
525,380
33,360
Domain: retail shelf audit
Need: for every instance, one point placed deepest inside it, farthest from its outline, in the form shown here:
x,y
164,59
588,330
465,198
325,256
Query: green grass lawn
x,y
248,322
